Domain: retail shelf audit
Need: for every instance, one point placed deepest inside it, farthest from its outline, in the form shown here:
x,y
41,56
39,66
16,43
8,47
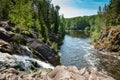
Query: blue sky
x,y
73,8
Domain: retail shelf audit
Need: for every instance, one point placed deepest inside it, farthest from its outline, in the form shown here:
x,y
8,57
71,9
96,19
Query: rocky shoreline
x,y
15,42
24,57
59,73
108,40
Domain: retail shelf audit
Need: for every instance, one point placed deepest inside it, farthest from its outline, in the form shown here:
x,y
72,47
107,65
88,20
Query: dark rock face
x,y
12,43
117,39
5,35
49,54
55,38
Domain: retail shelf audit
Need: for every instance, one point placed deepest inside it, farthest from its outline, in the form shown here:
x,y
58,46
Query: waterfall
x,y
24,62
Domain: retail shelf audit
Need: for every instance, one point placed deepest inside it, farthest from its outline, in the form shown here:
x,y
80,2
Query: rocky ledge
x,y
26,43
59,73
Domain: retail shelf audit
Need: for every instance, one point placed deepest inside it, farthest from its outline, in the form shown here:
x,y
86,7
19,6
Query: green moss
x,y
25,32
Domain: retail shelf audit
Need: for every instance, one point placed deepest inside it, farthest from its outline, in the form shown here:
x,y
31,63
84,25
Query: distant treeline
x,y
106,17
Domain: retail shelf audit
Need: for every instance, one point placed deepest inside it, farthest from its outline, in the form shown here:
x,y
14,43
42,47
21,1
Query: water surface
x,y
77,51
75,47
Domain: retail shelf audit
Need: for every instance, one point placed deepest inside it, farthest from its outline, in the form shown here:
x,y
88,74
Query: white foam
x,y
13,59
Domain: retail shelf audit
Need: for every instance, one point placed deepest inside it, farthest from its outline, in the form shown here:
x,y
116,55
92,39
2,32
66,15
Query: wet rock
x,y
5,35
5,46
23,63
49,54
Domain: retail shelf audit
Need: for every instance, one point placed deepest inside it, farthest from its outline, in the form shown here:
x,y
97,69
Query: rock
x,y
92,76
45,51
5,35
5,46
59,73
68,73
5,24
73,69
109,40
79,77
117,39
23,63
55,38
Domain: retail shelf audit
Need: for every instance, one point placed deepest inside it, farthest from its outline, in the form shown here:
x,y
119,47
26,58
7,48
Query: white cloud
x,y
70,11
73,12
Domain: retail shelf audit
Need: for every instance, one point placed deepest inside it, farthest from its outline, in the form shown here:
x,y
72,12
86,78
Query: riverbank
x,y
26,44
59,73
24,56
108,40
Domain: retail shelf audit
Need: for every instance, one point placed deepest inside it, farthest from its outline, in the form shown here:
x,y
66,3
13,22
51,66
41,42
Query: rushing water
x,y
75,48
22,62
77,51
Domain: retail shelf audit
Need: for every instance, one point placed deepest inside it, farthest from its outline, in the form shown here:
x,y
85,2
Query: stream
x,y
77,51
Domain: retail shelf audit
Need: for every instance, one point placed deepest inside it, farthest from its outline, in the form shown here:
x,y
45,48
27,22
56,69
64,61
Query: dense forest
x,y
106,17
33,15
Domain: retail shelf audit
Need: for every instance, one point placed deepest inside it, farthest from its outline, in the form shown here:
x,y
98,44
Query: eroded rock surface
x,y
15,42
59,73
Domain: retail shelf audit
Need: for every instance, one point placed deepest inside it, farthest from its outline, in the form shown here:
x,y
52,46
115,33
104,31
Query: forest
x,y
36,15
108,16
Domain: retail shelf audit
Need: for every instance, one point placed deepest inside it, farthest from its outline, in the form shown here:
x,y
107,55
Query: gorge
x,y
38,41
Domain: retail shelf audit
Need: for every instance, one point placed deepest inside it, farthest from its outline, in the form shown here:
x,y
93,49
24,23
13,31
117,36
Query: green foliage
x,y
34,15
18,38
61,28
25,32
94,34
108,16
52,27
4,9
21,14
79,23
54,46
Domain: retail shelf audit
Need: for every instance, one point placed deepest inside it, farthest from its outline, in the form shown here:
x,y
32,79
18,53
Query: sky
x,y
73,8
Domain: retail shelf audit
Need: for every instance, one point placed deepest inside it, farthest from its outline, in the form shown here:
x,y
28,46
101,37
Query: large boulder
x,y
72,73
49,54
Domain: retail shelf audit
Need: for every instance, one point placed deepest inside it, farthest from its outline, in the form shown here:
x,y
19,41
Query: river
x,y
77,51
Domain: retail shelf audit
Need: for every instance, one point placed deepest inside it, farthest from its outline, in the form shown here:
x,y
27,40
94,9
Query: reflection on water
x,y
76,51
78,34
